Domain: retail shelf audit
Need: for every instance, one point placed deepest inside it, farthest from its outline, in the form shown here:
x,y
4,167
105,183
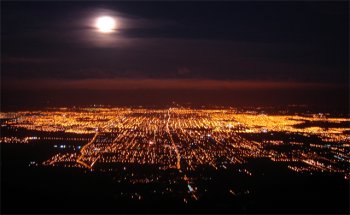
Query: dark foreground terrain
x,y
28,189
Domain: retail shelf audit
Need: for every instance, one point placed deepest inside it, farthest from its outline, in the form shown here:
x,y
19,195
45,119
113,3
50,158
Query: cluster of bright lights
x,y
183,140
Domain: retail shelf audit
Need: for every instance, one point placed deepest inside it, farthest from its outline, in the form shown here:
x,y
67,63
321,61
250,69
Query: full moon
x,y
105,24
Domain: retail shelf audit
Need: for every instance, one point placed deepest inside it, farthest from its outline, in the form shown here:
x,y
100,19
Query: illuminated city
x,y
174,107
176,144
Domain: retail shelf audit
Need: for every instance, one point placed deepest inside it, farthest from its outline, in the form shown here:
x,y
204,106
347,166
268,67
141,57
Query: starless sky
x,y
278,41
168,44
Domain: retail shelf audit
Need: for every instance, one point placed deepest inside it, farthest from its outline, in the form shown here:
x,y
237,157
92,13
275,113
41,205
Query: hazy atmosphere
x,y
228,47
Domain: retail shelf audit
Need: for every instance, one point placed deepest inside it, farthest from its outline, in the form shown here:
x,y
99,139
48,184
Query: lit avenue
x,y
177,146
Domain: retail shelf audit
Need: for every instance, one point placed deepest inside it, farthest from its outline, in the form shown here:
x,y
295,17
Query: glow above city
x,y
175,107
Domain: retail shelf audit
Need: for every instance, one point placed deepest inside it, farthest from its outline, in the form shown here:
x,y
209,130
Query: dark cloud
x,y
183,71
176,58
305,42
26,60
163,84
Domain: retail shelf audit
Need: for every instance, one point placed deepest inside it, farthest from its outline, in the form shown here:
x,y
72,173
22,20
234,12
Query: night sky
x,y
51,52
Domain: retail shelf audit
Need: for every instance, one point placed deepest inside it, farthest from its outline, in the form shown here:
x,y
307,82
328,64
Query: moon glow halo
x,y
105,24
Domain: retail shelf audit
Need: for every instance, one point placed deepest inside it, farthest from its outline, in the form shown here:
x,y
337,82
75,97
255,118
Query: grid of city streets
x,y
178,149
